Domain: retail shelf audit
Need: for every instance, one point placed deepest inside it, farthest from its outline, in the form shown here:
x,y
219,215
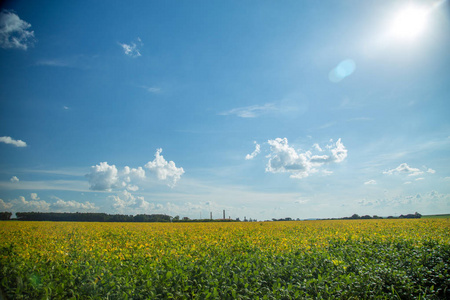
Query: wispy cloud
x,y
252,111
79,61
132,49
11,141
14,32
370,182
360,119
151,89
53,63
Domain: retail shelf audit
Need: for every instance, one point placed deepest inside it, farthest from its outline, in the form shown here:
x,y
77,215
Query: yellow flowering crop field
x,y
358,259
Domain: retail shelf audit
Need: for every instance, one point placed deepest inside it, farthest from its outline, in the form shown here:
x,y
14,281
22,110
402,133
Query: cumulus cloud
x,y
103,177
132,187
431,171
284,158
14,179
339,152
125,201
22,204
317,147
5,205
72,206
132,174
254,153
36,204
11,141
164,170
370,182
252,111
404,169
14,32
132,49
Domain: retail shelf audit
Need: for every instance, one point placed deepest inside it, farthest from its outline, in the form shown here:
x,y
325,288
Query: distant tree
x,y
5,215
176,218
366,217
355,216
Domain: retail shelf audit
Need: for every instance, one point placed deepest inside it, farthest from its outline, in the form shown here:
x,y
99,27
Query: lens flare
x,y
344,69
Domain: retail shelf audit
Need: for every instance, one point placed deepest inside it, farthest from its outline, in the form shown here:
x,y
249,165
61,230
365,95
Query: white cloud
x,y
127,202
14,32
252,111
317,147
132,187
370,182
72,206
4,205
254,153
431,171
133,174
132,49
339,152
404,169
35,204
166,171
14,179
301,201
22,204
103,177
284,158
9,140
420,178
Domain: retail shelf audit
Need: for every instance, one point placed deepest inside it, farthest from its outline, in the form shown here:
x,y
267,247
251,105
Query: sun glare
x,y
409,23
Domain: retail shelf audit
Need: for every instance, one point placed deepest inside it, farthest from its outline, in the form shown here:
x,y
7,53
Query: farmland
x,y
359,259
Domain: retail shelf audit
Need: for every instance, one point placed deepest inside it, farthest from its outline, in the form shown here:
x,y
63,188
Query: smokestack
x,y
224,214
210,215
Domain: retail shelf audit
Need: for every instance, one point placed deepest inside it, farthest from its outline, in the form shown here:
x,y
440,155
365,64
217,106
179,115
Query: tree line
x,y
100,217
84,217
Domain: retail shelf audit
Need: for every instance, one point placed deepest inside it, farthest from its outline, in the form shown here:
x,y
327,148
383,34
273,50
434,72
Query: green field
x,y
352,259
442,216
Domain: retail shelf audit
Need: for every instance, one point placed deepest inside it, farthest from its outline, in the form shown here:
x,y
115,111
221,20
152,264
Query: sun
x,y
409,23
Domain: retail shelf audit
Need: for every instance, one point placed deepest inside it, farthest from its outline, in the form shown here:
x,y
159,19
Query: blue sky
x,y
265,109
